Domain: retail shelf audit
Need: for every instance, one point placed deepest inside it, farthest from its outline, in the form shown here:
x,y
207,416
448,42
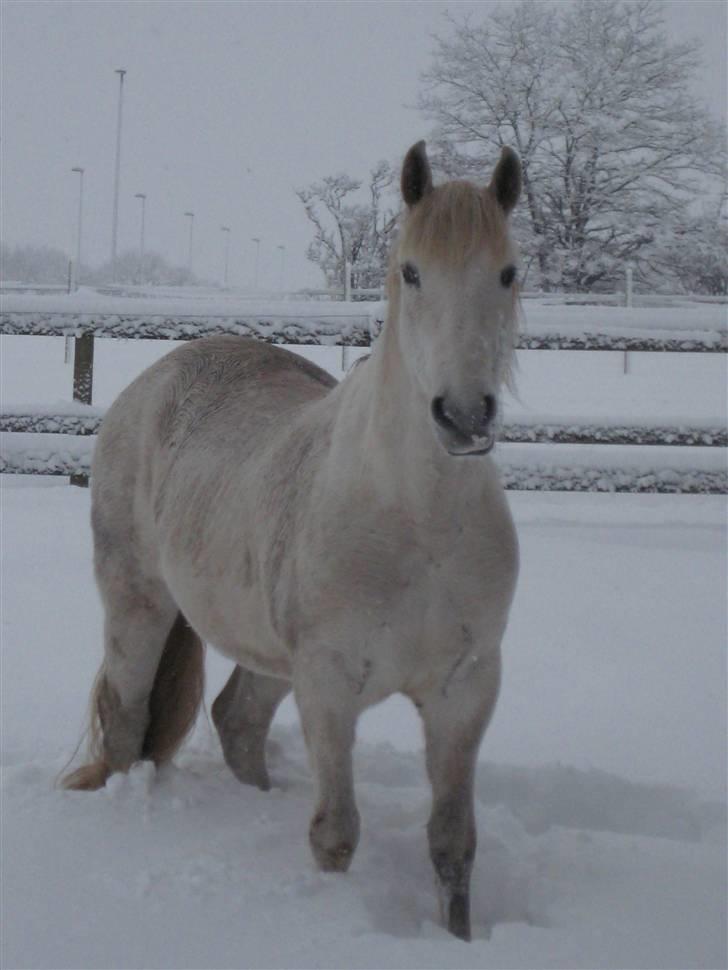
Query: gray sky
x,y
227,107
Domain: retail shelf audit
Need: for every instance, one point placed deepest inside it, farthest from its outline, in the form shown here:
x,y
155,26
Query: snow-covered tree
x,y
44,264
350,231
597,102
33,264
128,270
695,254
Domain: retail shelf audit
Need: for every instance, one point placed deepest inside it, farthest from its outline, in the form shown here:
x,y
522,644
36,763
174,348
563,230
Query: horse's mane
x,y
452,222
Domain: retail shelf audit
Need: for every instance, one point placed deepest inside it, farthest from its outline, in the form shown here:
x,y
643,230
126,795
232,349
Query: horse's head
x,y
453,282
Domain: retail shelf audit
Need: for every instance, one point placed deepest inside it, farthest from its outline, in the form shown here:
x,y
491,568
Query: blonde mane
x,y
452,222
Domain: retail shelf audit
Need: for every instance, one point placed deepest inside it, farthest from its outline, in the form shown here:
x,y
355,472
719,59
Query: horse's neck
x,y
383,435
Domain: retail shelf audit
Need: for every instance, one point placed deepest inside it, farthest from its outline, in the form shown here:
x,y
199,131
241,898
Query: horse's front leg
x,y
327,700
455,715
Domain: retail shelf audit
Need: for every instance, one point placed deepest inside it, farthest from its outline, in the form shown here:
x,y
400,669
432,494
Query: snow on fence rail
x,y
522,467
85,420
354,325
354,328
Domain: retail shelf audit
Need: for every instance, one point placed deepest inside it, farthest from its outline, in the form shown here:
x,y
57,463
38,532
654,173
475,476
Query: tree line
x,y
46,264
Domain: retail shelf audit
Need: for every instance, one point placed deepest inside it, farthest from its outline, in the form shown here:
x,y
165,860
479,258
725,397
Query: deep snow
x,y
602,786
600,797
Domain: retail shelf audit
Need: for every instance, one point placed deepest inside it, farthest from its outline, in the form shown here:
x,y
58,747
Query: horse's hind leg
x,y
135,633
242,714
150,683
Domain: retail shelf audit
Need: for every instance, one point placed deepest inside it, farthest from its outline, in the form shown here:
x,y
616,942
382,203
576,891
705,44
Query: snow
x,y
543,314
532,466
658,389
600,794
203,303
698,326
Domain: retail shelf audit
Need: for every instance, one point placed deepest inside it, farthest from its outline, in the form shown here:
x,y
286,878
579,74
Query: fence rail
x,y
350,329
87,422
334,330
74,460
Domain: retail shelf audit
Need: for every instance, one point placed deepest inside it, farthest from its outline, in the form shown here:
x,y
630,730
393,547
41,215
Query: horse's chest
x,y
419,600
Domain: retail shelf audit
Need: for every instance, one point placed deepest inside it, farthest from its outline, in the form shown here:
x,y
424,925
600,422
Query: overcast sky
x,y
227,107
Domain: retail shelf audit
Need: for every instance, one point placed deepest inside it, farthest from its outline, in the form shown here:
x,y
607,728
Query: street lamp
x,y
142,196
283,266
226,230
191,217
77,273
256,240
117,171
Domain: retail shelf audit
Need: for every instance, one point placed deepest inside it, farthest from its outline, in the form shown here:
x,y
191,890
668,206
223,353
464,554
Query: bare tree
x,y
350,231
596,101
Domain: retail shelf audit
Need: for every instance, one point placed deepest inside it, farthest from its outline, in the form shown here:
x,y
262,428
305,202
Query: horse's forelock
x,y
452,222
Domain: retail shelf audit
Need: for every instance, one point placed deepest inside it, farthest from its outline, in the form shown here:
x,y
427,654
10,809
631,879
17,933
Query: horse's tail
x,y
173,705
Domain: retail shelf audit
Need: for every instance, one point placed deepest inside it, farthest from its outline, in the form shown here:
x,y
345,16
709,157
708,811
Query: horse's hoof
x,y
458,920
455,910
333,845
89,777
337,859
256,779
255,775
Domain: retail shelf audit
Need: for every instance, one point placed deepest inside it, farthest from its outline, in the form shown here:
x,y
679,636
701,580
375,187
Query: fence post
x,y
83,379
347,297
347,281
627,303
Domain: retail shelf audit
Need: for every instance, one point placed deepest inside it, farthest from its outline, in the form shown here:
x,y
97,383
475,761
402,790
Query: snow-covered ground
x,y
600,798
601,795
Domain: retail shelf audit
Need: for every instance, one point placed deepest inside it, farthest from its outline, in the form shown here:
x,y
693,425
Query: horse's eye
x,y
410,275
508,275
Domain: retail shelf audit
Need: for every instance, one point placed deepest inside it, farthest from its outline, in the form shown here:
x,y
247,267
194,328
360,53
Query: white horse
x,y
347,541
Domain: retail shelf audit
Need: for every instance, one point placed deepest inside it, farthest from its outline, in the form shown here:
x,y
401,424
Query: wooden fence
x,y
348,329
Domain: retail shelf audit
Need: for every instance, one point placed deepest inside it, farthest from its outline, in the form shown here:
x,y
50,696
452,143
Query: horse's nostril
x,y
491,407
440,415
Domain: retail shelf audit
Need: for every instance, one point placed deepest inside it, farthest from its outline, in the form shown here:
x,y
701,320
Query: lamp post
x,y
256,240
191,217
143,198
226,230
283,266
77,273
117,171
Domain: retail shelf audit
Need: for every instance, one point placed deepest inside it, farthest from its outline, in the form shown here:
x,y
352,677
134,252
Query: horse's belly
x,y
230,618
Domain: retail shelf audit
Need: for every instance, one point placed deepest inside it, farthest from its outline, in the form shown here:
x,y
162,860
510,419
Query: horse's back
x,y
211,378
200,408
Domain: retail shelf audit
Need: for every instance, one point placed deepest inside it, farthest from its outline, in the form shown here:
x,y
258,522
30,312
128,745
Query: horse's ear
x,y
416,178
506,182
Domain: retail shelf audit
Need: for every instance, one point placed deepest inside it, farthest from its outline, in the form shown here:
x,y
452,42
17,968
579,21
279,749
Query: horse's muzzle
x,y
465,432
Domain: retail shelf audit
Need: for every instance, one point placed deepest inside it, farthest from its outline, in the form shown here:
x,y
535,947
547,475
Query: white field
x,y
602,785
